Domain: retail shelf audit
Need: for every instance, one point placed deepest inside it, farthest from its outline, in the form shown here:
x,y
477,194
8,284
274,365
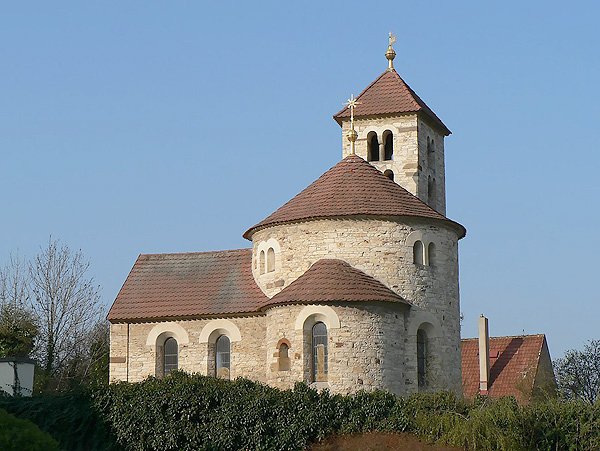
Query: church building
x,y
352,284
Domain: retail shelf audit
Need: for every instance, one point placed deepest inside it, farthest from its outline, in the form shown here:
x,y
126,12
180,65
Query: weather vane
x,y
390,54
352,135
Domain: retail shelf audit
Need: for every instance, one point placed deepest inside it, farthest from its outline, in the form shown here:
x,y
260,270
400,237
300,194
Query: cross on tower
x,y
352,135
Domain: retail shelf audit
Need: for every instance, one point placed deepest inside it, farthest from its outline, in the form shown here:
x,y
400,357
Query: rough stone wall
x,y
436,171
365,352
247,355
379,248
409,164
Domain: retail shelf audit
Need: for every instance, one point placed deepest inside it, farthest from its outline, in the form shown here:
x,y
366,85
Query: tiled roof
x,y
335,280
389,94
514,362
352,187
188,285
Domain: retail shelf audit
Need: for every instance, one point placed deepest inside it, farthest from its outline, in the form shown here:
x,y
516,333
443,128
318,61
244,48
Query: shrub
x,y
21,435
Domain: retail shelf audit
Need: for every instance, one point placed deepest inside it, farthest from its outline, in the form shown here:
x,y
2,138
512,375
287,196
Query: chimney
x,y
484,355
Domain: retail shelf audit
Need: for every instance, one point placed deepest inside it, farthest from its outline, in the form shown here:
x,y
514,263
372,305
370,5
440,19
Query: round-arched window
x,y
170,357
319,346
222,356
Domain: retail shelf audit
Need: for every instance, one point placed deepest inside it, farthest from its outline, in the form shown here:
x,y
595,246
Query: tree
x,y
578,373
18,327
67,305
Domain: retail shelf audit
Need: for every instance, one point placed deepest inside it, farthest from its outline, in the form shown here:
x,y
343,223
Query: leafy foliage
x,y
21,435
578,373
193,412
70,418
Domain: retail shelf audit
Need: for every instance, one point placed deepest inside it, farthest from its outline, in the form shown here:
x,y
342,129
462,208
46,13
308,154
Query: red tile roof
x,y
389,94
335,280
352,187
188,285
514,363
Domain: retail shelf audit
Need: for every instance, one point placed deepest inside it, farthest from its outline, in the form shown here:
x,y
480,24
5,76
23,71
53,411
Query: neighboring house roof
x,y
389,94
335,280
514,364
188,285
352,187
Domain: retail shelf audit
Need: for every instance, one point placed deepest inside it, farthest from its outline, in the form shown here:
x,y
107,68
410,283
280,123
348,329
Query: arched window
x,y
319,348
222,356
418,253
431,154
270,260
431,254
431,192
170,358
283,359
389,174
372,147
422,358
388,140
262,262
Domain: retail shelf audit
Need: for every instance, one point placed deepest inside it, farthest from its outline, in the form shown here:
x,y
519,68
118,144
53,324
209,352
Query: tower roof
x,y
389,94
335,280
352,187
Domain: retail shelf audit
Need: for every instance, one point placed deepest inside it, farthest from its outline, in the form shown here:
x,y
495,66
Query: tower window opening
x,y
262,262
270,260
389,174
372,147
418,253
431,154
388,139
421,358
431,195
319,346
431,254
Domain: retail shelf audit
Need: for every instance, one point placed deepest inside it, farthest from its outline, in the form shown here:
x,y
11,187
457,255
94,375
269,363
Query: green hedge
x,y
71,418
192,412
22,435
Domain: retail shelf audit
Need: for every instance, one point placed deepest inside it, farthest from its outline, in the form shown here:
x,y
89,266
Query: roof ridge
x,y
507,336
196,253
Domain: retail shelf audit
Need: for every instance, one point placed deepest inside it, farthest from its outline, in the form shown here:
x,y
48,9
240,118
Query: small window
x,y
431,254
283,359
431,155
389,174
270,260
418,253
431,195
262,262
170,358
222,356
388,140
422,358
319,345
372,147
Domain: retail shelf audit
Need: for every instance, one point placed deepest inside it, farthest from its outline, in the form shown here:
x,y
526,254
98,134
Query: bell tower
x,y
399,135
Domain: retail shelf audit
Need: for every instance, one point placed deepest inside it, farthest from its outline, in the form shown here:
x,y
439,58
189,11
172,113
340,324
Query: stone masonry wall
x,y
247,355
365,352
379,248
409,163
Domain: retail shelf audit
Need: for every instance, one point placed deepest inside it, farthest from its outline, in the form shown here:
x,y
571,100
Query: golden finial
x,y
390,54
352,135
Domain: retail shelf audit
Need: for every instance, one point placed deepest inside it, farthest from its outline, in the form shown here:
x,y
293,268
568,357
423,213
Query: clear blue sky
x,y
144,127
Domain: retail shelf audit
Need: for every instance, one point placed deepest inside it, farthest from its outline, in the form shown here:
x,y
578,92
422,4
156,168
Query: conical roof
x,y
352,187
389,94
334,280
